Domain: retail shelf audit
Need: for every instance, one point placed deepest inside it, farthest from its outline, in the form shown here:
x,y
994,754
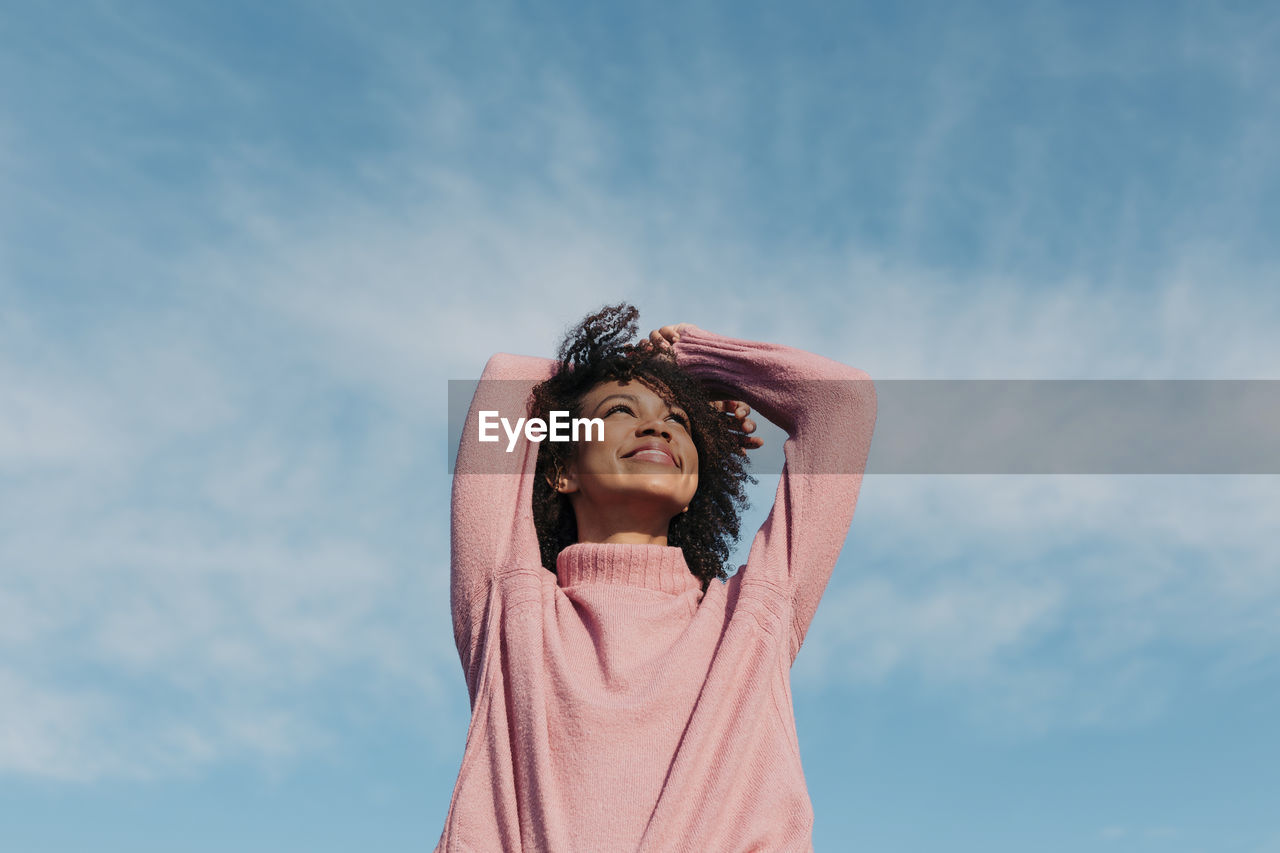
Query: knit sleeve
x,y
828,411
492,515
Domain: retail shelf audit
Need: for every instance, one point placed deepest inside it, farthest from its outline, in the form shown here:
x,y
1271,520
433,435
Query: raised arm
x,y
492,515
828,410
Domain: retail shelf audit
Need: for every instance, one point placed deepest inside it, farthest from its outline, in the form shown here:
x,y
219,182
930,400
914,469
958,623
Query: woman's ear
x,y
563,480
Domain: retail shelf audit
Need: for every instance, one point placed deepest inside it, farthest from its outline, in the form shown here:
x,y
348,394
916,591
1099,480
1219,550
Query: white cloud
x,y
189,569
954,630
1052,601
229,583
42,730
189,515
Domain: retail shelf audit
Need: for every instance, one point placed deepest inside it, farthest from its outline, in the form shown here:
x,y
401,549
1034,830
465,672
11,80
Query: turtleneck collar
x,y
657,567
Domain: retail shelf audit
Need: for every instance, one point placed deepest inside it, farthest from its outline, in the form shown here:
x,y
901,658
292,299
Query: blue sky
x,y
243,247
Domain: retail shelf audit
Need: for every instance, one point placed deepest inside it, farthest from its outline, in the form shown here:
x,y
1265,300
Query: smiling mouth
x,y
648,454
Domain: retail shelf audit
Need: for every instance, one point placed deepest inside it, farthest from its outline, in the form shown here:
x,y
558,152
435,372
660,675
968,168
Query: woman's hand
x,y
664,339
744,425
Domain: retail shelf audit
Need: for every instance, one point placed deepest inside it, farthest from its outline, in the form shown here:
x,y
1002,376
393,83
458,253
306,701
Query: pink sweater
x,y
615,706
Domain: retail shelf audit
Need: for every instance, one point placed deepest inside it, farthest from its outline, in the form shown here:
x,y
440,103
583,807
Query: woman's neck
x,y
624,537
622,528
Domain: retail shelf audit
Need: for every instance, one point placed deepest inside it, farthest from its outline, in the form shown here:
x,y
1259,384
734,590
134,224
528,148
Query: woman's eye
x,y
680,419
620,407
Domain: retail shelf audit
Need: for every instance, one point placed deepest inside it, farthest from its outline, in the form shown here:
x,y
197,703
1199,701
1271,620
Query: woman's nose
x,y
653,426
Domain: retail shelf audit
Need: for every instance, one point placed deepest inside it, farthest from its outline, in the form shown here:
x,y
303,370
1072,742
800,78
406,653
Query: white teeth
x,y
653,456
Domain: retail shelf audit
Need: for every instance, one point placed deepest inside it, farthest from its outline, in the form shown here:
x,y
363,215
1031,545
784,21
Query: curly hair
x,y
601,349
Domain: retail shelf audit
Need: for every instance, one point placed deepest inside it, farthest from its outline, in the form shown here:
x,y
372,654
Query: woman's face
x,y
647,460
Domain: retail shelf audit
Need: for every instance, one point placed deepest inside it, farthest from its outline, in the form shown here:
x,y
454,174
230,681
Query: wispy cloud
x,y
1053,601
225,500
188,565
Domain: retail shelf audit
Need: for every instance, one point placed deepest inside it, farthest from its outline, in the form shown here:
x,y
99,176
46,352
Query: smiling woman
x,y
626,693
628,487
591,492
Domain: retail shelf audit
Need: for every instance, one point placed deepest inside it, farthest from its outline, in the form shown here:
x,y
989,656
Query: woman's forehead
x,y
640,388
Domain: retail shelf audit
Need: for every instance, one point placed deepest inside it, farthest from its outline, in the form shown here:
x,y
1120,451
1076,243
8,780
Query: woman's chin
x,y
653,500
663,485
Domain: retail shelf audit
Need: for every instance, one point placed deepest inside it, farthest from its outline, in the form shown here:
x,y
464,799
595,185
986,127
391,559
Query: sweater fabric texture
x,y
615,705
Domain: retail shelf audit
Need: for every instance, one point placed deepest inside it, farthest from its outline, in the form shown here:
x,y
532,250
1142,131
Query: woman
x,y
624,694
